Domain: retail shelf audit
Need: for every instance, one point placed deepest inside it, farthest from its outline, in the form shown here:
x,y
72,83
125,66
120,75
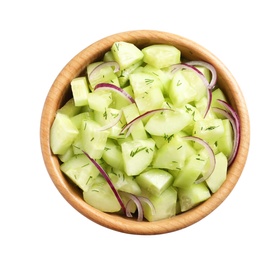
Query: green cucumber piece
x,y
180,91
80,91
219,174
172,154
161,55
155,181
81,171
69,109
195,81
112,155
126,54
62,134
142,82
225,142
104,75
107,117
149,100
165,205
209,130
99,100
159,75
93,140
137,155
79,118
168,122
218,94
101,196
67,155
125,183
192,195
192,169
138,130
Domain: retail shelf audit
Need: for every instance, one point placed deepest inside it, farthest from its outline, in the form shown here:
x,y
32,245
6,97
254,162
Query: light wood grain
x,y
59,92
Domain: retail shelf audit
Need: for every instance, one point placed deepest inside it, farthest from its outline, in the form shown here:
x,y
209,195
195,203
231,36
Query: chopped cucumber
x,y
101,197
138,131
137,155
80,91
81,171
62,134
164,205
104,75
93,140
219,174
69,108
209,130
99,100
151,160
126,54
161,56
180,92
172,154
192,195
168,122
189,173
155,181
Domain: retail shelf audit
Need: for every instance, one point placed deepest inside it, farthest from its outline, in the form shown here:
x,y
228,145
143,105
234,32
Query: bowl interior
x,y
60,92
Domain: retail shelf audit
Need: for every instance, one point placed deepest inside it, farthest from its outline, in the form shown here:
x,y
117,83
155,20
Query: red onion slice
x,y
147,201
136,200
210,154
106,177
116,89
103,65
211,68
232,115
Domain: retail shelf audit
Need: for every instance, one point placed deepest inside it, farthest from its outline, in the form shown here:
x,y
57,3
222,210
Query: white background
x,y
39,37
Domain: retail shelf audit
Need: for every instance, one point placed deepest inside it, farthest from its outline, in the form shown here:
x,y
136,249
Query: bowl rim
x,y
57,93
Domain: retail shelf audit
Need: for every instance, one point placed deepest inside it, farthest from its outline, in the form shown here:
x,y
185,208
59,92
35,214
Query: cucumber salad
x,y
146,134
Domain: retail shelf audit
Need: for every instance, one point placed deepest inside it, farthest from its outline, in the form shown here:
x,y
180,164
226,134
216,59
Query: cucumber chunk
x,y
101,197
99,100
161,55
192,169
195,81
155,181
225,142
81,171
104,75
192,195
138,130
137,155
180,91
69,109
112,155
172,154
93,140
62,134
165,204
80,91
209,130
219,174
126,54
168,122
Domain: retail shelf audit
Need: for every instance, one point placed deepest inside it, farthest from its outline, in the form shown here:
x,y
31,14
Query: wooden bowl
x,y
60,92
